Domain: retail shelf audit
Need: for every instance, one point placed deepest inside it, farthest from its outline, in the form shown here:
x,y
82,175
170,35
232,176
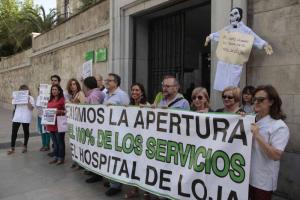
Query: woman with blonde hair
x,y
231,99
200,100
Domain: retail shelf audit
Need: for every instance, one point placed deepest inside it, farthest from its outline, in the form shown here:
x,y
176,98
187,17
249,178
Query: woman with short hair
x,y
22,115
231,99
271,136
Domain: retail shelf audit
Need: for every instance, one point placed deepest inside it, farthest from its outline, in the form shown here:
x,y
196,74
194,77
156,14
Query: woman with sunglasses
x,y
231,99
200,100
270,135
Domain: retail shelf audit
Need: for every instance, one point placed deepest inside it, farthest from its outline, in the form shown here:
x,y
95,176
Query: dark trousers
x,y
58,140
258,194
14,133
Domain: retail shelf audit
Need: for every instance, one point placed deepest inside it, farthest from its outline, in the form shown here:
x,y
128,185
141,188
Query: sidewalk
x,y
30,177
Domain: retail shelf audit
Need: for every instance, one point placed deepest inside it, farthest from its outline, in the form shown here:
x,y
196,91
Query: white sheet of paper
x,y
20,97
49,116
87,69
44,95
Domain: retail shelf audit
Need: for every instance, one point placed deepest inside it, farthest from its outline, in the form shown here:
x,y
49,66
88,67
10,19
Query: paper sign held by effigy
x,y
234,47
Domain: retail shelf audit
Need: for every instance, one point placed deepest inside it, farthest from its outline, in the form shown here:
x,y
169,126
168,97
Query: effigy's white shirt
x,y
264,171
229,74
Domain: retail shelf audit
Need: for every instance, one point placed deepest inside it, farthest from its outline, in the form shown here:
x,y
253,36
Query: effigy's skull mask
x,y
236,15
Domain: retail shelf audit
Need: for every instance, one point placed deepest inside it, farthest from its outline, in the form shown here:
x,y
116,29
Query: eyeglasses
x,y
227,97
108,80
167,86
197,97
259,99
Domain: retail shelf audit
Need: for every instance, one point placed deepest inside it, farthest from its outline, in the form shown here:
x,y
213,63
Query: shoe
x,y
86,172
60,162
73,166
24,150
42,149
106,184
46,149
51,154
94,179
132,193
53,161
10,152
112,191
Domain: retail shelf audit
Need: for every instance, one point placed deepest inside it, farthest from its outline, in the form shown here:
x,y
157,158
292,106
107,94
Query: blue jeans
x,y
58,140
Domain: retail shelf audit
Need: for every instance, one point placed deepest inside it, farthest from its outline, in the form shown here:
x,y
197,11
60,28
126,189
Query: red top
x,y
60,106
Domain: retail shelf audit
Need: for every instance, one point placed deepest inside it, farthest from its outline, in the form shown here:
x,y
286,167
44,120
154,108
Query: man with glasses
x,y
171,97
114,96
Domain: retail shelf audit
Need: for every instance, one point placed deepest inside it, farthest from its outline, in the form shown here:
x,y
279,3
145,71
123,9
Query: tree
x,y
18,21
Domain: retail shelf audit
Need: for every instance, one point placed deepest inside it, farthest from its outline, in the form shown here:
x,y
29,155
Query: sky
x,y
47,4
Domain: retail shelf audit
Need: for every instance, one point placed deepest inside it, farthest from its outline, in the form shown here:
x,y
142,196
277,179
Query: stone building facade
x,y
139,35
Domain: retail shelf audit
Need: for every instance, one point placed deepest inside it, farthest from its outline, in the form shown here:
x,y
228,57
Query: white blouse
x,y
22,113
264,171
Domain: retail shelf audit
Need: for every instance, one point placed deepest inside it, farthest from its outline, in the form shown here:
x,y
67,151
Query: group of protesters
x,y
269,131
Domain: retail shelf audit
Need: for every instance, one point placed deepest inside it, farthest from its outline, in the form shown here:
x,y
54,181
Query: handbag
x,y
62,124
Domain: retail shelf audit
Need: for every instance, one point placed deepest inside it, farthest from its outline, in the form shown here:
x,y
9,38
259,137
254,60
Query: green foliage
x,y
87,3
17,22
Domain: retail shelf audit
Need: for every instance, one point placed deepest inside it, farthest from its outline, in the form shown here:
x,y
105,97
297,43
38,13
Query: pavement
x,y
30,176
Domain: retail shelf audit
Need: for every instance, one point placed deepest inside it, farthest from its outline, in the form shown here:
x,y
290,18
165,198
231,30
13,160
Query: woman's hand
x,y
29,104
255,130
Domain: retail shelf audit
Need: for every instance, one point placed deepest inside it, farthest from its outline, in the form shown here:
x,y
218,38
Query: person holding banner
x,y
93,94
75,92
171,97
114,96
271,136
231,99
22,115
57,101
138,98
200,100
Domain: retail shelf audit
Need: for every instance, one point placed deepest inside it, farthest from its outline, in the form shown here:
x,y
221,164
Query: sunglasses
x,y
259,99
227,97
197,97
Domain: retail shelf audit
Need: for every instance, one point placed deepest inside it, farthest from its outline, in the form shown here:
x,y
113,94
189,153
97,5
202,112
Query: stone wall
x,y
60,51
278,22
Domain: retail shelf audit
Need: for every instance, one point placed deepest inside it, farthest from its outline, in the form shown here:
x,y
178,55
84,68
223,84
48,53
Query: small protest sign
x,y
20,97
49,116
234,47
87,68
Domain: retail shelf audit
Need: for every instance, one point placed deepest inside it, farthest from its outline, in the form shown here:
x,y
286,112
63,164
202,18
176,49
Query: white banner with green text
x,y
172,153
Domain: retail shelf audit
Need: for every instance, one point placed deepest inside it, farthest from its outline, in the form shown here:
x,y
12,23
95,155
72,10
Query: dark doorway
x,y
170,41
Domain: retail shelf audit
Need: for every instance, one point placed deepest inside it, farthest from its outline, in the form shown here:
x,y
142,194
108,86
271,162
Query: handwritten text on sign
x,y
234,47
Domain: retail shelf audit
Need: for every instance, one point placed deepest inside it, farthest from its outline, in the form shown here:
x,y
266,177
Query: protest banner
x,y
171,153
20,97
44,95
49,116
234,47
87,69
